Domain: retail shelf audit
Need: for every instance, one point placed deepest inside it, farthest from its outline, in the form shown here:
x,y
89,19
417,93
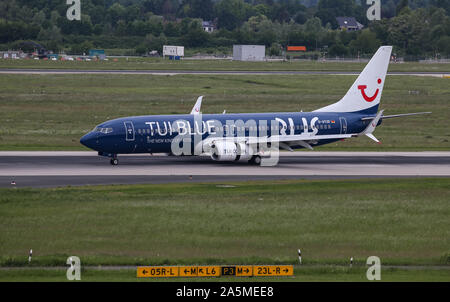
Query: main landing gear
x,y
255,160
114,161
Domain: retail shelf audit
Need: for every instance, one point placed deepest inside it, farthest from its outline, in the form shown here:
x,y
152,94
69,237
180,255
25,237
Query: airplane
x,y
250,137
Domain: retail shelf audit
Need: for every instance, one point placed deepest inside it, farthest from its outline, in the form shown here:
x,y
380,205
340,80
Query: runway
x,y
204,72
52,169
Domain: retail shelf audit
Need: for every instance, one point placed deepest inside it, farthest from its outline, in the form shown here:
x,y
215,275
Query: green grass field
x,y
52,112
402,221
223,65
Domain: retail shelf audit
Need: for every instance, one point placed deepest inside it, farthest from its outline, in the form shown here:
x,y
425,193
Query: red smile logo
x,y
365,96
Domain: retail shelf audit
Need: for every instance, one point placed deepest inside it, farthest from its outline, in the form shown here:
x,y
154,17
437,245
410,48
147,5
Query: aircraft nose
x,y
89,140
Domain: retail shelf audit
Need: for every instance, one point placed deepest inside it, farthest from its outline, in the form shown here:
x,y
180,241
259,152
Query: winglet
x,y
371,127
372,137
373,124
197,106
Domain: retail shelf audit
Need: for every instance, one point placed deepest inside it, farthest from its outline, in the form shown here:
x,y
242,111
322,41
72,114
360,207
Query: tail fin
x,y
365,94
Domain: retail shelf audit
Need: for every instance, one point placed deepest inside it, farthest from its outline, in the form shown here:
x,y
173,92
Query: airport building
x,y
173,52
12,54
249,52
98,53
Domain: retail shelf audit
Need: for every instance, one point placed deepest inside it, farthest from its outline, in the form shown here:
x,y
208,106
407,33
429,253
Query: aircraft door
x,y
129,130
343,121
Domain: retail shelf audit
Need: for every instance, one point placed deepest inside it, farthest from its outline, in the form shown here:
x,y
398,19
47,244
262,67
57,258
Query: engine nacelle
x,y
230,151
245,152
223,151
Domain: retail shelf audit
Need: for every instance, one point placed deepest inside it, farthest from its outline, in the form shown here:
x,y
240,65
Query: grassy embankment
x,y
51,112
404,222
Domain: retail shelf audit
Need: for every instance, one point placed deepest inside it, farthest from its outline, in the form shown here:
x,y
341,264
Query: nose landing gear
x,y
113,161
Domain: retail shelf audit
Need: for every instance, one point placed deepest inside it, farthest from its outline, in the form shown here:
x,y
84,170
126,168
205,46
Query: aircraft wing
x,y
294,138
284,141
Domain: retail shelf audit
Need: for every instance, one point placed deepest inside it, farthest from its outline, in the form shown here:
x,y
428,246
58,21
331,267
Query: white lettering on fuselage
x,y
313,125
291,126
214,127
305,125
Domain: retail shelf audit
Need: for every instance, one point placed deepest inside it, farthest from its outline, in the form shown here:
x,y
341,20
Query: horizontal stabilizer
x,y
395,115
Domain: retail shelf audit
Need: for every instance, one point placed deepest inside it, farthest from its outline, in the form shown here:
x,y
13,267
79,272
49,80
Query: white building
x,y
249,52
12,54
208,26
173,51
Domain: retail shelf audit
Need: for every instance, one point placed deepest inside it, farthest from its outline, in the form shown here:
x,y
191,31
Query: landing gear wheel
x,y
114,161
255,160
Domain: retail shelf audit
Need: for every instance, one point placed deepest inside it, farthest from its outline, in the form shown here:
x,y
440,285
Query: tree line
x,y
415,27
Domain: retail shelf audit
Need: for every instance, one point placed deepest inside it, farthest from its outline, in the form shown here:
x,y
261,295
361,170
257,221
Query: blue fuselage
x,y
154,133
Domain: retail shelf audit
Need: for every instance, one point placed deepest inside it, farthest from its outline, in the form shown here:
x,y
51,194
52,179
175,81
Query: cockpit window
x,y
104,130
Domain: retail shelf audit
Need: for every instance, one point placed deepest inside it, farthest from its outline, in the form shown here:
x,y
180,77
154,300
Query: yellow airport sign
x,y
188,271
244,271
237,270
208,271
273,270
199,271
215,271
157,271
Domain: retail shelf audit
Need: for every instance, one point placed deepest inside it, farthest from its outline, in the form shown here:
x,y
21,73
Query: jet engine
x,y
230,151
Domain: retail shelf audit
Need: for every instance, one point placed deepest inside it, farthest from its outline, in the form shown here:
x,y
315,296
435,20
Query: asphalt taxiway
x,y
204,72
51,169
